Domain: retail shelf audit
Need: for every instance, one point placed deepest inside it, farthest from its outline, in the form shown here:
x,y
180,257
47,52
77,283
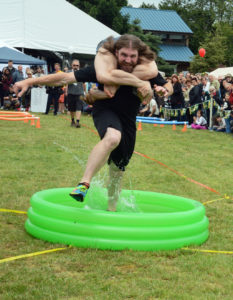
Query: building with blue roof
x,y
173,31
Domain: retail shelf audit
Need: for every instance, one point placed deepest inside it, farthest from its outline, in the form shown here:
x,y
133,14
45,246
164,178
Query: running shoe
x,y
79,193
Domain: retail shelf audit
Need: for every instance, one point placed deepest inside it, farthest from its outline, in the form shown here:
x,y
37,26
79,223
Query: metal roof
x,y
18,57
157,20
176,53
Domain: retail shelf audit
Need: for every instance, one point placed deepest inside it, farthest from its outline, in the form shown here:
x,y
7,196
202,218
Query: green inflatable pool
x,y
161,222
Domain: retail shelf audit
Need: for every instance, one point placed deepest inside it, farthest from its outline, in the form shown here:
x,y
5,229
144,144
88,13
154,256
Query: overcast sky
x,y
137,3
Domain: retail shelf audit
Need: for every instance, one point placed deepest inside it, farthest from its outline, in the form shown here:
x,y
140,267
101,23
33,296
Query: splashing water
x,y
128,204
125,204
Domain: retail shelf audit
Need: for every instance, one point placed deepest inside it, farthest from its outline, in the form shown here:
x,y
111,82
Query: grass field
x,y
55,155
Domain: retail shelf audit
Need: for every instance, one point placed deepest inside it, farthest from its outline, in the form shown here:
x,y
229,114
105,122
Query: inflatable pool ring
x,y
162,222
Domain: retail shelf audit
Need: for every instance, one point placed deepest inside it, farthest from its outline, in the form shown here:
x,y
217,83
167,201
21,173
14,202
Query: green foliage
x,y
107,12
153,41
227,32
216,48
203,17
199,19
145,5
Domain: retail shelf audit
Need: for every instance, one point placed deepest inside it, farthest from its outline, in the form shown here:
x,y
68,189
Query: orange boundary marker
x,y
19,116
139,126
18,119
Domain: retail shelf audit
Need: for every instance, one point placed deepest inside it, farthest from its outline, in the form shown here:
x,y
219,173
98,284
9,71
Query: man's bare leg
x,y
78,114
114,186
100,153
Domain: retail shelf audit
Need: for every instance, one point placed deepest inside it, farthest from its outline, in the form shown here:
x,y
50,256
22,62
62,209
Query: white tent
x,y
54,25
222,72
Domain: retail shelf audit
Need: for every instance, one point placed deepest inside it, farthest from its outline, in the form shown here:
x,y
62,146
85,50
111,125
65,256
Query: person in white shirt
x,y
150,110
199,122
219,124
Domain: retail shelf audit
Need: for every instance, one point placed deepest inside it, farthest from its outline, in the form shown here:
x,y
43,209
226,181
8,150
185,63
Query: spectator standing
x,y
10,67
74,91
38,72
215,95
205,89
27,95
66,70
1,91
195,93
18,75
6,81
222,90
54,93
177,98
186,89
195,97
226,103
214,82
61,102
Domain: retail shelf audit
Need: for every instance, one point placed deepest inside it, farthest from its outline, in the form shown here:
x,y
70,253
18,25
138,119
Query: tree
x,y
215,46
144,5
227,32
195,15
107,12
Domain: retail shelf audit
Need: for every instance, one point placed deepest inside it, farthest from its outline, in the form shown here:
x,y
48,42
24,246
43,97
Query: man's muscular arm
x,y
146,70
58,79
107,73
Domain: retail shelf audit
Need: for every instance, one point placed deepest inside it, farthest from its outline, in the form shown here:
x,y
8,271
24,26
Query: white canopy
x,y
54,25
222,72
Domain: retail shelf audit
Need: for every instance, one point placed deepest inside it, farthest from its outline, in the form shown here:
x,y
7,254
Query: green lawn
x,y
55,156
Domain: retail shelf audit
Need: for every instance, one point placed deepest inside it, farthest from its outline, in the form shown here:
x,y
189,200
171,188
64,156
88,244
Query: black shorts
x,y
74,103
104,118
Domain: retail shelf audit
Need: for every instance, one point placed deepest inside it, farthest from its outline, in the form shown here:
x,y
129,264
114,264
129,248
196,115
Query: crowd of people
x,y
9,75
60,98
189,91
194,91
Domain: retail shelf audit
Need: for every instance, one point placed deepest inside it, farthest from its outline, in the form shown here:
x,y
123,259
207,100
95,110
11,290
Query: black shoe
x,y
78,125
72,124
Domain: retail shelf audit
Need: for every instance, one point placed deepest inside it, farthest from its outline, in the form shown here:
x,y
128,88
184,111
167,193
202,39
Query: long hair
x,y
129,41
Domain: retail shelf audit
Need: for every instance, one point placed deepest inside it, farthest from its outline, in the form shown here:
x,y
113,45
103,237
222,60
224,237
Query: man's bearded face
x,y
127,59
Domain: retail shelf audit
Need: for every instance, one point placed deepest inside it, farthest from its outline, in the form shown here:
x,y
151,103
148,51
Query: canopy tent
x,y
222,71
7,53
54,25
